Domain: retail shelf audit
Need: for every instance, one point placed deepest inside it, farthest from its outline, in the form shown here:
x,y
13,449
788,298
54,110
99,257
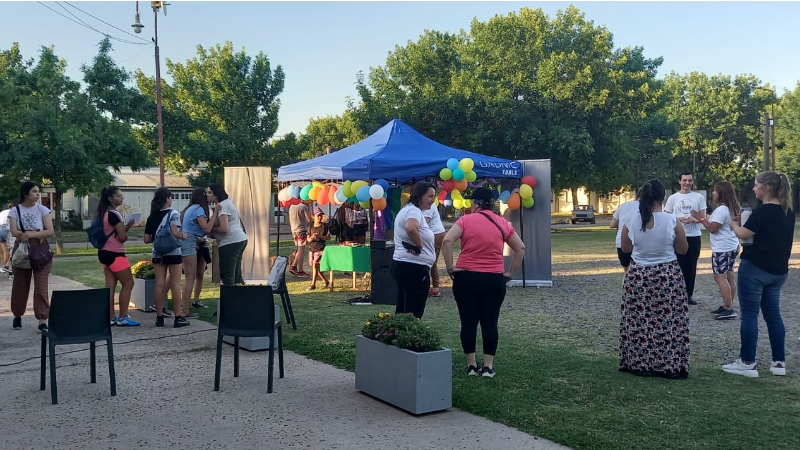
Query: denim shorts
x,y
3,234
189,245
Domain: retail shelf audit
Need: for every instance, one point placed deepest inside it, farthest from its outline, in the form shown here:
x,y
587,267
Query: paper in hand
x,y
133,217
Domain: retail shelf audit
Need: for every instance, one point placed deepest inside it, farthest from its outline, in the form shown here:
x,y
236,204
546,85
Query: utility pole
x,y
766,141
772,123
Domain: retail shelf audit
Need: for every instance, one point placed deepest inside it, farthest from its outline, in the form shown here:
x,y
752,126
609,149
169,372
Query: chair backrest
x,y
79,316
246,311
277,276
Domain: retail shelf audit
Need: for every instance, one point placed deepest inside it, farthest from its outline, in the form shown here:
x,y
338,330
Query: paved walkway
x,y
165,399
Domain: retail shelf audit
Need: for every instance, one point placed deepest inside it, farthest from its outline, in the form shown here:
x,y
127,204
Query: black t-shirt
x,y
317,245
113,219
153,221
772,243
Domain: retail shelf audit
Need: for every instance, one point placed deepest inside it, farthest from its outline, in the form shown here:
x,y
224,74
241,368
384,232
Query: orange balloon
x,y
514,201
461,185
379,204
332,194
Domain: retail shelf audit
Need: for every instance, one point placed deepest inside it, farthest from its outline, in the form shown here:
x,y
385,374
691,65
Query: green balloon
x,y
527,202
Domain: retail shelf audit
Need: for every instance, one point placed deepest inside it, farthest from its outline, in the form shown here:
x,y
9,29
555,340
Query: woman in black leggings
x,y
479,276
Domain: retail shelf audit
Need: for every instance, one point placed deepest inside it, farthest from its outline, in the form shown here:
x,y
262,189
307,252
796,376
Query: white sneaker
x,y
778,368
739,368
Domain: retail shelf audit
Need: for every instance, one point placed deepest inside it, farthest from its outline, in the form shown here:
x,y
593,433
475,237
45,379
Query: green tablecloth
x,y
345,258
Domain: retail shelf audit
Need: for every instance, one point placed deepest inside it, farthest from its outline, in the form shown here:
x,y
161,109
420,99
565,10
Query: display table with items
x,y
345,258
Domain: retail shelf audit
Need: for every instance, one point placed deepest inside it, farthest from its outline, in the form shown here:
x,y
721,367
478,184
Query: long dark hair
x,y
651,192
726,195
779,187
419,191
218,191
198,198
160,197
105,203
25,189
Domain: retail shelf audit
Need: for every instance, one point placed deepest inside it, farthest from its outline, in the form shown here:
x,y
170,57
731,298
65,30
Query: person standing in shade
x,y
31,222
318,235
196,222
621,216
435,222
5,253
230,235
681,204
299,218
763,270
414,252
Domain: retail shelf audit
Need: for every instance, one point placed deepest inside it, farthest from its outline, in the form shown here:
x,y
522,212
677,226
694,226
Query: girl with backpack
x,y
116,266
196,223
162,224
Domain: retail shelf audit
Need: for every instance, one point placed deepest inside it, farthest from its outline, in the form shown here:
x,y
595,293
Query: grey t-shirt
x,y
298,217
32,218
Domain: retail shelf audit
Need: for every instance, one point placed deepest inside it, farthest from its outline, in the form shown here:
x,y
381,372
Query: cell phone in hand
x,y
412,247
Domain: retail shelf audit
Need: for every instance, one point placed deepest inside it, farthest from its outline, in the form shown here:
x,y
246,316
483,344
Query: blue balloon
x,y
452,164
504,196
448,202
340,197
382,183
294,191
495,194
458,174
352,199
363,194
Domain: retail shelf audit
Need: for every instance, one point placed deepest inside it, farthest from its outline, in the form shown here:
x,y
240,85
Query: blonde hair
x,y
779,187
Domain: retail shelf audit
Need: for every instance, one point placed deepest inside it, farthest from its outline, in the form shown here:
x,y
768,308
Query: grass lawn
x,y
557,361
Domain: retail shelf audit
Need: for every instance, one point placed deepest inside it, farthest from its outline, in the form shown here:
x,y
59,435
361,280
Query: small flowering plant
x,y
144,269
402,330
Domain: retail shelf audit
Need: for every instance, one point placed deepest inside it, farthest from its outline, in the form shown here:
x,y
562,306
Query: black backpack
x,y
333,227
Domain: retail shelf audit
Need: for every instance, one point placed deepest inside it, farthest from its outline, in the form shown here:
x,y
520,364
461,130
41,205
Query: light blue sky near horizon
x,y
323,45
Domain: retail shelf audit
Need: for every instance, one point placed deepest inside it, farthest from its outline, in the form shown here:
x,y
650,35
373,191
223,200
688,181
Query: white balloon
x,y
376,191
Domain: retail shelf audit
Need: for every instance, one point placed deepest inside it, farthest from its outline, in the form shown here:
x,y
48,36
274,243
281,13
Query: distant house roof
x,y
148,178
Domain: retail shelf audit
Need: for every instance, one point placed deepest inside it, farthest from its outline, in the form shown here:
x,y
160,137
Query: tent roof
x,y
396,151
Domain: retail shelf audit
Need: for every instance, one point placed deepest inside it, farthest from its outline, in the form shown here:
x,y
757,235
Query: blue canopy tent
x,y
394,152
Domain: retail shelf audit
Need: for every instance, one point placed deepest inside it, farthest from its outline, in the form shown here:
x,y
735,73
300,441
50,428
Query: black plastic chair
x,y
277,279
77,317
248,311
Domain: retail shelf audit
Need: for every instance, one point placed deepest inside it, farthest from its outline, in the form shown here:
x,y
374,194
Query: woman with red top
x,y
116,266
479,276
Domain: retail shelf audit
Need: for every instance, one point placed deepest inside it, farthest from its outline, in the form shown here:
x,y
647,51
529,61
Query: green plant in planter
x,y
144,270
403,331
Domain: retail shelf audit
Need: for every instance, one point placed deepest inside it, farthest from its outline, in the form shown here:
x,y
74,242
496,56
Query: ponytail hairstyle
x,y
159,200
726,195
198,198
779,187
105,203
651,192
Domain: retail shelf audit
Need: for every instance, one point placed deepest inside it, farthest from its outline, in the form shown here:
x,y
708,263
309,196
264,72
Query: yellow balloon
x,y
458,203
467,203
466,164
525,191
456,194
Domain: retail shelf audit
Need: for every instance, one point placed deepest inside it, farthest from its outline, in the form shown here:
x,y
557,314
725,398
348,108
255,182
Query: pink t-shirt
x,y
481,243
112,244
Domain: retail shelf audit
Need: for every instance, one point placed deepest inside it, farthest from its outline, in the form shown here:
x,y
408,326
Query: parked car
x,y
582,213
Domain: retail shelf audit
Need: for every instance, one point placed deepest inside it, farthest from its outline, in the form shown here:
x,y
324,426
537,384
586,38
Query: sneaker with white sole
x,y
718,310
778,368
127,322
474,370
113,321
739,368
727,314
487,372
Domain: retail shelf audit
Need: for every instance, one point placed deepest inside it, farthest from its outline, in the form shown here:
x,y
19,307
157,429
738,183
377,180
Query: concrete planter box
x,y
143,295
416,382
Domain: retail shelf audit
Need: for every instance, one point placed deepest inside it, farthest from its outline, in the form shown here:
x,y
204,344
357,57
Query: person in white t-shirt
x,y
682,204
724,245
414,252
5,254
621,216
435,222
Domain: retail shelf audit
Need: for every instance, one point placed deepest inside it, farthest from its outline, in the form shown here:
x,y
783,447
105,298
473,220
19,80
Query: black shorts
x,y
360,229
107,258
168,260
624,258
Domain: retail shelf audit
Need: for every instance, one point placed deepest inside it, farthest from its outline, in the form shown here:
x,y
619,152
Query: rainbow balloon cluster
x,y
522,196
455,180
350,191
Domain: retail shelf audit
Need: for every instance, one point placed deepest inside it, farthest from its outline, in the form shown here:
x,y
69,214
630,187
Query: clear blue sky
x,y
322,45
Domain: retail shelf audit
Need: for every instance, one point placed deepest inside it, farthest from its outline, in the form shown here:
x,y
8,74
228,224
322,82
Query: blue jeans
x,y
760,289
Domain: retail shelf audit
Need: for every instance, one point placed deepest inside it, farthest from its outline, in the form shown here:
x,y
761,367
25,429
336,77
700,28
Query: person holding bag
x,y
31,224
479,276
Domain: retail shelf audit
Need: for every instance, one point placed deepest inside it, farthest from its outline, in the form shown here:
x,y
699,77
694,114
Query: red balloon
x,y
442,195
322,196
448,185
332,194
295,201
530,180
286,204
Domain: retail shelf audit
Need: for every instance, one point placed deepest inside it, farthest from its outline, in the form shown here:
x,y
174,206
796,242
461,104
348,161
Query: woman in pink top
x,y
479,276
116,266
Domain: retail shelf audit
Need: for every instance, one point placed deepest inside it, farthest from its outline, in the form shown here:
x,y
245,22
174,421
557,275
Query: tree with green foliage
x,y
221,109
787,132
334,131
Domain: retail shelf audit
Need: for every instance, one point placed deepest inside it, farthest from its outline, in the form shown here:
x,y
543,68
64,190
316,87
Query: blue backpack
x,y
95,232
164,242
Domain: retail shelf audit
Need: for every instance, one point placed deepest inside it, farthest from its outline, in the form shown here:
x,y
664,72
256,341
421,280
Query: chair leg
x,y
53,383
92,363
236,357
112,374
271,362
287,305
280,351
219,362
43,363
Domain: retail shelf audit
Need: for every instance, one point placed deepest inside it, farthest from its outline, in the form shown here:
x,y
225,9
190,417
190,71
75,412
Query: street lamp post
x,y
137,27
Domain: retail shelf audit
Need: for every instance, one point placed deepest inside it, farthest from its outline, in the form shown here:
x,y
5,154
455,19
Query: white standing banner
x,y
250,188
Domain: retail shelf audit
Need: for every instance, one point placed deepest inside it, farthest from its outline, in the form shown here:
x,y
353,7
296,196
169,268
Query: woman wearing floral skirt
x,y
654,330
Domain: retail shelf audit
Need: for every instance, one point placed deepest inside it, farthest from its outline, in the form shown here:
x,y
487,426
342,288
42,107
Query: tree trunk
x,y
57,207
574,192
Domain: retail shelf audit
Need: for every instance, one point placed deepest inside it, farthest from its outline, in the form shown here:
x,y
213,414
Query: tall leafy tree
x,y
334,131
787,130
221,109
